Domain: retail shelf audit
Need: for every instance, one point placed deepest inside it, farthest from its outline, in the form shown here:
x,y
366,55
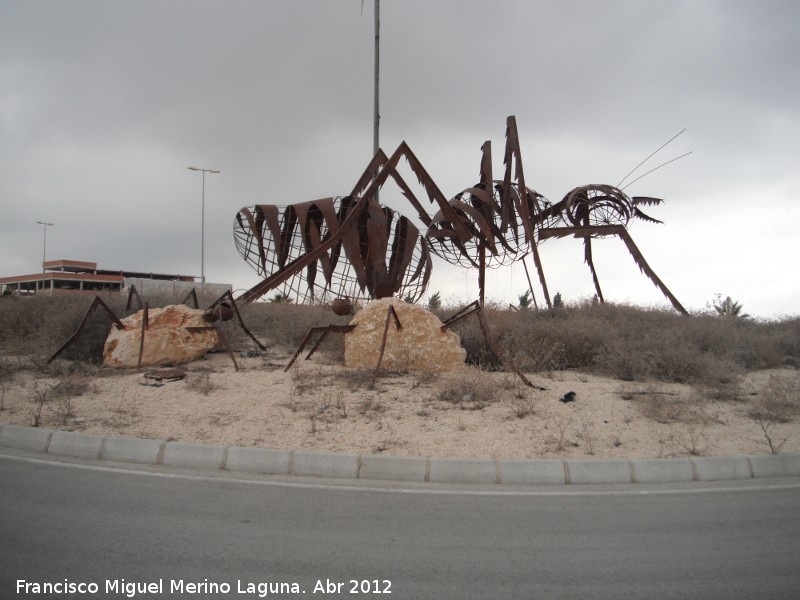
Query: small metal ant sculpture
x,y
222,309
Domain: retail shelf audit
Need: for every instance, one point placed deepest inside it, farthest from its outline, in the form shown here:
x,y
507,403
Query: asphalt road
x,y
90,523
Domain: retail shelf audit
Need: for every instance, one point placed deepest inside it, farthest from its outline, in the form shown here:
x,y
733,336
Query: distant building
x,y
78,277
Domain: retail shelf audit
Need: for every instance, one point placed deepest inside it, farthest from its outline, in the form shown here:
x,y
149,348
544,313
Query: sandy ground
x,y
320,405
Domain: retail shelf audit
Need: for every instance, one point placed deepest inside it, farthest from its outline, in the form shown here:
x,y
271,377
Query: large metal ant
x,y
352,247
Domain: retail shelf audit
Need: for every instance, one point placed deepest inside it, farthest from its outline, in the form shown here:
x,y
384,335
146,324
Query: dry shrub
x,y
474,342
633,343
315,380
5,379
285,324
587,436
780,402
200,381
665,407
370,406
35,327
356,379
39,401
627,342
684,440
558,426
724,385
470,389
694,441
523,407
642,345
770,437
74,378
623,362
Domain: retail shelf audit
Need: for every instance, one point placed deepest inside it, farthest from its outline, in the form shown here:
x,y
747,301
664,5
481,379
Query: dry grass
x,y
657,403
680,373
635,344
780,402
413,415
629,343
470,390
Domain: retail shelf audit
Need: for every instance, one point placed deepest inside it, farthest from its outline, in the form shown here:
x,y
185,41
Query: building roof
x,y
75,270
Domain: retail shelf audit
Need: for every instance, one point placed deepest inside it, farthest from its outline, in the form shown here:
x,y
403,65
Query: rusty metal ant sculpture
x,y
352,247
501,221
344,249
223,308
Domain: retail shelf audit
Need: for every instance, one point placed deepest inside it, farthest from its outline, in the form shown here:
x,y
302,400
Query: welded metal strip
x,y
313,331
390,313
300,262
97,302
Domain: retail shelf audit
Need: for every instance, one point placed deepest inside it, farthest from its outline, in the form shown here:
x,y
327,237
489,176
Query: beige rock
x,y
167,341
420,345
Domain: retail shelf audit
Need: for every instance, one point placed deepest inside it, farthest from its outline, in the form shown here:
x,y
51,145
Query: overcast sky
x,y
104,104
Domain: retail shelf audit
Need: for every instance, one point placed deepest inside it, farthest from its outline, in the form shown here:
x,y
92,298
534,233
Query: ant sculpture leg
x,y
220,309
597,211
476,308
225,311
96,303
618,230
391,314
324,331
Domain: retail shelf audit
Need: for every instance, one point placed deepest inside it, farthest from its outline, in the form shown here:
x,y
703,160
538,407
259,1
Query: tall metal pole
x,y
44,248
203,221
376,125
203,232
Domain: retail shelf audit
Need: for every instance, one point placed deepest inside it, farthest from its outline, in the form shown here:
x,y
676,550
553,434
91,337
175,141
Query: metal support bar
x,y
470,310
193,295
222,338
97,302
133,292
389,313
487,334
482,273
462,314
312,332
229,295
145,325
320,339
530,285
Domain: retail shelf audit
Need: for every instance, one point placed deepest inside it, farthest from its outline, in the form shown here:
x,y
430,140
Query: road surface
x,y
72,522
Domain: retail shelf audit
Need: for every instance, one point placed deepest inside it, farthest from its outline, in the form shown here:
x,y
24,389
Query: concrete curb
x,y
397,468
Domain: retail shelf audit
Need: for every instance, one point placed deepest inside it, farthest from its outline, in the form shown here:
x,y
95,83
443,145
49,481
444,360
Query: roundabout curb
x,y
380,467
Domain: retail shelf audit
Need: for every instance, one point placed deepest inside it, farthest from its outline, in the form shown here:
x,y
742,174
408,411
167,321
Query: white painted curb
x,y
397,468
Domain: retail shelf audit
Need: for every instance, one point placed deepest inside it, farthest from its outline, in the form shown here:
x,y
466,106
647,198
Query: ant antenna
x,y
656,168
649,157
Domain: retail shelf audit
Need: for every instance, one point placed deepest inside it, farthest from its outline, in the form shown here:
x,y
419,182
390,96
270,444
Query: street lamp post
x,y
44,249
203,221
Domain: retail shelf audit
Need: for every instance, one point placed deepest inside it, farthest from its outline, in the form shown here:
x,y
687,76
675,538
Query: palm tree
x,y
728,308
279,298
435,301
525,299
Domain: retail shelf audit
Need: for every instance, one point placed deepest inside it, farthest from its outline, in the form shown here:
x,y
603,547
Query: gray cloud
x,y
104,105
